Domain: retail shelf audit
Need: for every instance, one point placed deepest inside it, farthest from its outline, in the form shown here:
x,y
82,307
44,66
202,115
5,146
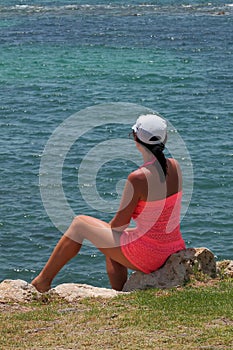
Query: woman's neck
x,y
148,157
146,154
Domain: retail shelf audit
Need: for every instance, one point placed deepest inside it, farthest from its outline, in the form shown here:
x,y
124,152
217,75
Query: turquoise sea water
x,y
60,57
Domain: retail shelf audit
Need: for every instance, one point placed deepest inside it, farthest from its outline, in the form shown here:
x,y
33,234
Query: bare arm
x,y
130,198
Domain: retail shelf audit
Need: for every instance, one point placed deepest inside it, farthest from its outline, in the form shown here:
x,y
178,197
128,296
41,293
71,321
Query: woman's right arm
x,y
129,200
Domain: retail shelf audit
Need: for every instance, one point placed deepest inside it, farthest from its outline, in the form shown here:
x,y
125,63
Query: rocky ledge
x,y
177,271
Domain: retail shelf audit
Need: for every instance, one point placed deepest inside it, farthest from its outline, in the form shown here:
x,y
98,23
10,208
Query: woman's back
x,y
151,186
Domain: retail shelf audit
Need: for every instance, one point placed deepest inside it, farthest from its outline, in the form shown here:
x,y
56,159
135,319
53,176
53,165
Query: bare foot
x,y
42,285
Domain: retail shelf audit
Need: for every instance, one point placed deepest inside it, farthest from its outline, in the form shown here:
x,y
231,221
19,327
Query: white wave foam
x,y
119,8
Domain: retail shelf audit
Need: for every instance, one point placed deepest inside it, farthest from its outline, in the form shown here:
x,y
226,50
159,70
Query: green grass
x,y
185,318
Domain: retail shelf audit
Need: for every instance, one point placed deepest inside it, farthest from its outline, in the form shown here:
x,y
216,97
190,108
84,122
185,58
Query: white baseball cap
x,y
151,125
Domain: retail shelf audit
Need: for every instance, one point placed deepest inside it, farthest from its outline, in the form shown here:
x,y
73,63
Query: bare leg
x,y
117,273
101,235
64,251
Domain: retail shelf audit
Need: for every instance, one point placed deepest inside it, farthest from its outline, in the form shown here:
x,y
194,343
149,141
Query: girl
x,y
152,197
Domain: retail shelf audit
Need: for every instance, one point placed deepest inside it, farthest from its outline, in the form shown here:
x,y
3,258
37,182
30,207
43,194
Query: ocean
x,y
73,77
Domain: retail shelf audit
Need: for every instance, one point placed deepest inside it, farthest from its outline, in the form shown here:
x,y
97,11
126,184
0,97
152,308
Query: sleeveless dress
x,y
157,234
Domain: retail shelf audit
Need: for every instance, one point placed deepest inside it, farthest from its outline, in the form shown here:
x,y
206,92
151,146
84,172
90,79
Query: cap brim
x,y
134,127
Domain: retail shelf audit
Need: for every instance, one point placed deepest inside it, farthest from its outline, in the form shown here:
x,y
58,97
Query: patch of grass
x,y
185,318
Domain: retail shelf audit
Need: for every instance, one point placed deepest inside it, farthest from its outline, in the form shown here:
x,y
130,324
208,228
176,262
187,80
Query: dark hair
x,y
157,151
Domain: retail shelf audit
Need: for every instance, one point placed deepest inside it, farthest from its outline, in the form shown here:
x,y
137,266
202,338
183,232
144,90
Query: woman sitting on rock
x,y
152,197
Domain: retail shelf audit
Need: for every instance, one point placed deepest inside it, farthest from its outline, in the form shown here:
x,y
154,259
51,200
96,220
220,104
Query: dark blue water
x,y
58,58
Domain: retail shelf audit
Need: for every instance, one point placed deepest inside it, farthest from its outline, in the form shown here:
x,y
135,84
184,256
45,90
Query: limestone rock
x,y
21,291
17,290
225,268
73,291
204,262
176,271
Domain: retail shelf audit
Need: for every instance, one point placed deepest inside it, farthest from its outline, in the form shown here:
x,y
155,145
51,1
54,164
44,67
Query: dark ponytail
x,y
157,151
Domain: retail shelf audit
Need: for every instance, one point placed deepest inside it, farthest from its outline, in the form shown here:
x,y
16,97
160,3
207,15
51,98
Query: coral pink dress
x,y
157,234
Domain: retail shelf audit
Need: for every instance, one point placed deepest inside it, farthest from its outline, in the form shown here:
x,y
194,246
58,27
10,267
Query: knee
x,y
77,222
77,228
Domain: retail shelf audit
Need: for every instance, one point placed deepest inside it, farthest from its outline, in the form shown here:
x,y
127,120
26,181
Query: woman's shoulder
x,y
173,163
136,175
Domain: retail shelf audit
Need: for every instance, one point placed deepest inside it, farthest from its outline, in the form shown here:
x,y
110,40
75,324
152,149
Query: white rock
x,y
17,290
225,268
176,271
21,291
73,291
